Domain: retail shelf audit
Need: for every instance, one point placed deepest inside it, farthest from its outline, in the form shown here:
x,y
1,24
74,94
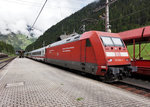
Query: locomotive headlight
x,y
127,59
109,60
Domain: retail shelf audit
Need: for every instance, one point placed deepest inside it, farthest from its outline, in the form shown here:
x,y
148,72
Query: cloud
x,y
15,15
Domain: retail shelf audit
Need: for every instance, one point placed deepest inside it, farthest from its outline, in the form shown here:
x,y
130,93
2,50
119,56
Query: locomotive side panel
x,y
75,55
66,52
66,55
71,51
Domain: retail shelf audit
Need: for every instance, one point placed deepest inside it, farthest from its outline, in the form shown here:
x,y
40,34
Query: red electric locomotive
x,y
94,52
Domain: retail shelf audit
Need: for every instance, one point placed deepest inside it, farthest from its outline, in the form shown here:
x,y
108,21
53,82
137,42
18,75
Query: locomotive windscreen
x,y
112,41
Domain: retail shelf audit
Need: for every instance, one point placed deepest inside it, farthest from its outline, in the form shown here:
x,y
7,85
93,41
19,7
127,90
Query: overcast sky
x,y
16,14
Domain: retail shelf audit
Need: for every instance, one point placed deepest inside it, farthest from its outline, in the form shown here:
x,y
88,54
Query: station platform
x,y
27,83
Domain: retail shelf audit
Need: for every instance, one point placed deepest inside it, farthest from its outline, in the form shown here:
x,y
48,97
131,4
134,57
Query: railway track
x,y
137,86
3,58
5,61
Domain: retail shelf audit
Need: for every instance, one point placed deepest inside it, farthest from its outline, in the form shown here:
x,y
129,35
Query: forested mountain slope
x,y
6,48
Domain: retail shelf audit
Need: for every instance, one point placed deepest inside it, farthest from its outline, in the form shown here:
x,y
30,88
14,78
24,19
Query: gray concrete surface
x,y
26,83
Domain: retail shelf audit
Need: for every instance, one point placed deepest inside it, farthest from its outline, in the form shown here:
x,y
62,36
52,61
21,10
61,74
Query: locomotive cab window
x,y
112,41
88,43
107,41
118,42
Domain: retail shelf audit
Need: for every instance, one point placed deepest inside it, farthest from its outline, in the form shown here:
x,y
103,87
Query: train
x,y
20,53
3,55
99,53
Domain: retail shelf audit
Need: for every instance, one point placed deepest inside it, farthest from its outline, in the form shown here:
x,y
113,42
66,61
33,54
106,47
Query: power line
x,y
39,13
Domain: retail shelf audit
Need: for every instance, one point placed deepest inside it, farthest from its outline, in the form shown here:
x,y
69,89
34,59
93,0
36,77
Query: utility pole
x,y
83,29
107,17
106,6
43,43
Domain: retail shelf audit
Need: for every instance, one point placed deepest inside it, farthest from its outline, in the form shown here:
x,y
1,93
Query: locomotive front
x,y
117,58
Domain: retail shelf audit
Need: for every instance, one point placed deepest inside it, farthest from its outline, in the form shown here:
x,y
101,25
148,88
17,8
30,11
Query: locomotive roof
x,y
99,33
67,40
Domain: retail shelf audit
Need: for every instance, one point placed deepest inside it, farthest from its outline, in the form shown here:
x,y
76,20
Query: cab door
x,y
83,55
83,52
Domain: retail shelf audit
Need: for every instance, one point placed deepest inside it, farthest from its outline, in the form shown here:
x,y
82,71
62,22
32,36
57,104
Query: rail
x,y
5,61
138,86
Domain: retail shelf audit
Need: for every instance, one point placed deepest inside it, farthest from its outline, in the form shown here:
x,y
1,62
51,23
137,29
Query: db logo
x,y
117,53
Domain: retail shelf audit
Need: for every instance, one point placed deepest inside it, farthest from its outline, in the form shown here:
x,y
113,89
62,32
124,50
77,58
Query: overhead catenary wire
x,y
39,13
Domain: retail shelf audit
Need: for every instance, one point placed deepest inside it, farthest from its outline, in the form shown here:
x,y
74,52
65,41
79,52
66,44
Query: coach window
x,y
88,43
77,37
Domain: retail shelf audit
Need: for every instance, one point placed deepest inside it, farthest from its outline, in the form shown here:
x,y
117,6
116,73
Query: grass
x,y
145,51
12,55
5,59
79,99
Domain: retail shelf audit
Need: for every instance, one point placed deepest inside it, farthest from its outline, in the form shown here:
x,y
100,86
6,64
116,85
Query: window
x,y
77,37
117,42
107,41
36,53
88,43
112,41
68,40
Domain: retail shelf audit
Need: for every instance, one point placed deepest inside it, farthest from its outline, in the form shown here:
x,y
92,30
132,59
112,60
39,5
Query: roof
x,y
147,32
138,33
99,33
67,40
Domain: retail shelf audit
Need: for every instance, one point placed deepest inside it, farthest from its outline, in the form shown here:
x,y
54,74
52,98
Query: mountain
x,y
6,48
18,41
124,15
